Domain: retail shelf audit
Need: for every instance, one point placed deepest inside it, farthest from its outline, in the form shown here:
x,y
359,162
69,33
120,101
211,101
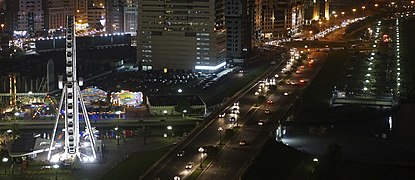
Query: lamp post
x,y
184,112
5,160
169,128
117,135
56,170
311,33
220,129
257,94
354,12
201,150
165,115
363,8
2,26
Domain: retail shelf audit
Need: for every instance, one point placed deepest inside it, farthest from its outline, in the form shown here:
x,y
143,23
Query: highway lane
x,y
229,164
172,166
169,166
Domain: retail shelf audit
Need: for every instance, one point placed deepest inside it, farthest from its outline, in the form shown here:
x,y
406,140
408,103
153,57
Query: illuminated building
x,y
237,29
187,35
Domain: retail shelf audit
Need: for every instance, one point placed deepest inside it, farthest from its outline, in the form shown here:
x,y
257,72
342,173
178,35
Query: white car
x,y
222,115
235,111
189,165
266,111
286,94
260,122
236,103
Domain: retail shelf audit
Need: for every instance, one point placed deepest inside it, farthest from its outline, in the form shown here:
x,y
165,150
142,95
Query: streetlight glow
x,y
201,150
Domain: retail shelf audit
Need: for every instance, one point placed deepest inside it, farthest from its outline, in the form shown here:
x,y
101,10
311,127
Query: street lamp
x,y
354,11
201,150
220,129
5,160
165,114
311,33
363,8
55,166
184,112
117,135
169,128
2,26
257,94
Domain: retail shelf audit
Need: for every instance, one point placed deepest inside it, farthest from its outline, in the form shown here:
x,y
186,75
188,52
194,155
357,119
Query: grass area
x,y
275,159
320,90
135,165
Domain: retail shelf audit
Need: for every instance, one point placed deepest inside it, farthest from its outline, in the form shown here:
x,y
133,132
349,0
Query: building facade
x,y
30,16
275,17
238,37
297,16
130,17
181,35
114,16
56,13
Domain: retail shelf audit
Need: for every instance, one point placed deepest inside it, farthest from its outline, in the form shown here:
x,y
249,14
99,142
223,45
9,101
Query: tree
x,y
330,165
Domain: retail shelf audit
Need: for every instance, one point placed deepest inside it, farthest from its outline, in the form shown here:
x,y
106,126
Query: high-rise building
x,y
56,13
11,10
81,14
130,17
237,29
297,16
114,16
30,16
96,14
316,12
181,35
275,18
327,9
96,17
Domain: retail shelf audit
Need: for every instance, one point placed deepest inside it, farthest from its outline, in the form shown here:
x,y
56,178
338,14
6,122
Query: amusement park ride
x,y
74,146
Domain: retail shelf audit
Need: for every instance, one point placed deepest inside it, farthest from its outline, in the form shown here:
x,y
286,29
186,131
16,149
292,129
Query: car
x,y
260,122
298,72
235,111
242,142
189,165
302,81
180,153
232,119
236,103
269,101
286,94
222,115
266,111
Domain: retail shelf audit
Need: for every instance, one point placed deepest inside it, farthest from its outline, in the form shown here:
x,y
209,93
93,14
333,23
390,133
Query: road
x,y
231,153
229,164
